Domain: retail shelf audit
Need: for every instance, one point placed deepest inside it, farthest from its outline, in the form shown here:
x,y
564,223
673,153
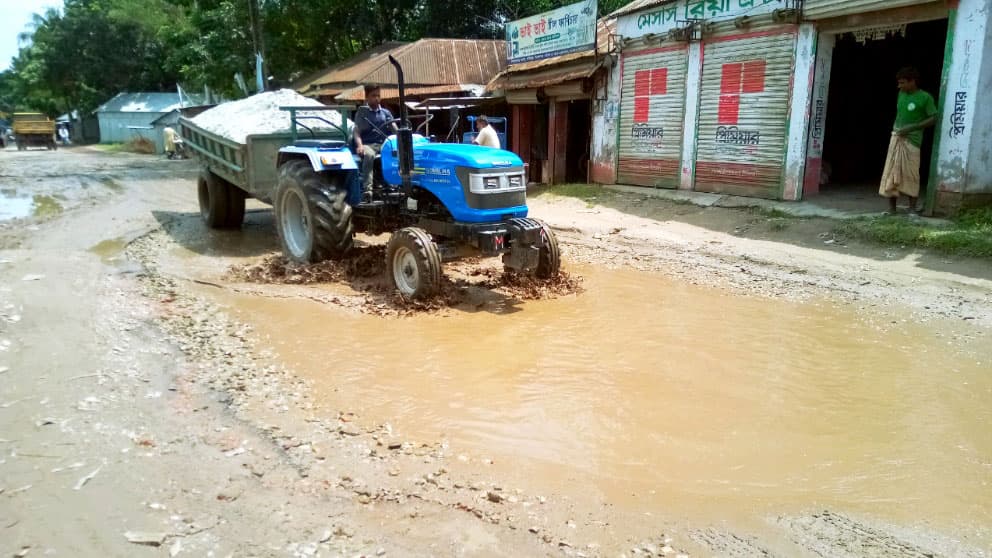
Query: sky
x,y
16,15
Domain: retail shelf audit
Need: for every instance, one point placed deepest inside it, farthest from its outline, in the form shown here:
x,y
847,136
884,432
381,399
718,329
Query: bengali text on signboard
x,y
562,31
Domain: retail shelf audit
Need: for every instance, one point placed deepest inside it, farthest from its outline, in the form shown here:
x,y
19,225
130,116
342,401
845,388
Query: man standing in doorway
x,y
915,111
374,124
487,135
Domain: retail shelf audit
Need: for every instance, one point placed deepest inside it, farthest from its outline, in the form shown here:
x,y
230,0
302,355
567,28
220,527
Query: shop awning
x,y
544,77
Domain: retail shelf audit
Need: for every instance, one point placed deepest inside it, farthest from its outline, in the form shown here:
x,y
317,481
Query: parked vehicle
x,y
439,201
34,129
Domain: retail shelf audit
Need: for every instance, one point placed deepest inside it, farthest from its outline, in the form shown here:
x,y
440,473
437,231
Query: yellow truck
x,y
34,129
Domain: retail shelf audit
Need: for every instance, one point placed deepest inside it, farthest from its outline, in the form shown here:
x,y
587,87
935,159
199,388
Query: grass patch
x,y
970,234
109,147
778,223
585,192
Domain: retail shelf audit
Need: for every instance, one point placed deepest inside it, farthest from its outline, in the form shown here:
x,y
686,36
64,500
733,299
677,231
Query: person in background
x,y
64,135
915,111
169,137
374,124
487,135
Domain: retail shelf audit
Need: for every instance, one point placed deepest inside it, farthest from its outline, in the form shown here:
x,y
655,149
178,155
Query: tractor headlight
x,y
491,183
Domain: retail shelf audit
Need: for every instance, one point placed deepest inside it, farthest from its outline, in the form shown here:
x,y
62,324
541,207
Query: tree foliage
x,y
83,54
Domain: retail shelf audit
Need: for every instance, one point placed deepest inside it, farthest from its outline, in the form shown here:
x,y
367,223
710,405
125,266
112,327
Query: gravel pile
x,y
260,114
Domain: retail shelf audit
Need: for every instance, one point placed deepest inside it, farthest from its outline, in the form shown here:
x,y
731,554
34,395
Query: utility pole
x,y
258,42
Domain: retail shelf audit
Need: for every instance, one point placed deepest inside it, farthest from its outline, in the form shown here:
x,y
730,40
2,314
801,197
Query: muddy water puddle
x,y
674,399
13,206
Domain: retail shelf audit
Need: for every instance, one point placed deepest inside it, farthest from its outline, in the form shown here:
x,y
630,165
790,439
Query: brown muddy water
x,y
674,399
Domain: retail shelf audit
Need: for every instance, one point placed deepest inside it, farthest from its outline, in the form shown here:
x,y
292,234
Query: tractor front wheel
x,y
313,217
549,258
413,263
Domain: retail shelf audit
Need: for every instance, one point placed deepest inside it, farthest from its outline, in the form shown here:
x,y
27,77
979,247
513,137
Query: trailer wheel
x,y
549,257
213,194
313,217
412,261
235,205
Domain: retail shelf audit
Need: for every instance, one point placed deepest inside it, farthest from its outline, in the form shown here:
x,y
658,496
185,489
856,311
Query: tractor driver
x,y
373,123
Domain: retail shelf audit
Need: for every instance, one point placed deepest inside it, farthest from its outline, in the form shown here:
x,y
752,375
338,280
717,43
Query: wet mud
x,y
635,410
464,284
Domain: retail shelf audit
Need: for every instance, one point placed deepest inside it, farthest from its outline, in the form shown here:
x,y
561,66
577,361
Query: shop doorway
x,y
539,143
862,103
577,143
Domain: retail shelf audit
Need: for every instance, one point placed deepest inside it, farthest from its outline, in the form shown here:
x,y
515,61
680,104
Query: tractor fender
x,y
320,159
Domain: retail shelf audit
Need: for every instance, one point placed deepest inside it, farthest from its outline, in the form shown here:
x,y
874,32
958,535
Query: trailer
x,y
33,129
233,171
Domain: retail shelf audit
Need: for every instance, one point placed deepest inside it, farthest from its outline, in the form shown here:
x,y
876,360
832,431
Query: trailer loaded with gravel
x,y
238,143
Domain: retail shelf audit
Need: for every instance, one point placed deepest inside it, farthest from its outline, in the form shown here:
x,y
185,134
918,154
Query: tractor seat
x,y
320,143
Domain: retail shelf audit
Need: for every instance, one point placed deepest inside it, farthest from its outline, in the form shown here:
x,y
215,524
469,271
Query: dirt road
x,y
703,383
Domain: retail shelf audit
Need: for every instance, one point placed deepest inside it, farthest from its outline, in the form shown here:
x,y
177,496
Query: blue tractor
x,y
440,201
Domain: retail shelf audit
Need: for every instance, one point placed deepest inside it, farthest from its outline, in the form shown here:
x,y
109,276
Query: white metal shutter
x,y
652,111
820,9
743,114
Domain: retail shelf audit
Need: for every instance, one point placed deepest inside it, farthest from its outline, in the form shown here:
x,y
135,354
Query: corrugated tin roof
x,y
350,70
551,75
638,5
392,93
427,62
143,102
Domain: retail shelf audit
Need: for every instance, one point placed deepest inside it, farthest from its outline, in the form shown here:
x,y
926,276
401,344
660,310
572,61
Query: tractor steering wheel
x,y
426,117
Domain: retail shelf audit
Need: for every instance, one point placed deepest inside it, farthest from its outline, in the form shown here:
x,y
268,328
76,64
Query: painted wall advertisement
x,y
568,29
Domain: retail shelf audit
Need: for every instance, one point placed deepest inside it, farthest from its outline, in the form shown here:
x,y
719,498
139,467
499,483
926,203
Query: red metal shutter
x,y
652,111
744,112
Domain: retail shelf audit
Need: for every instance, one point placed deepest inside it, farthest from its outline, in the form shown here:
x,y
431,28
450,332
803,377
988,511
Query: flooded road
x,y
662,396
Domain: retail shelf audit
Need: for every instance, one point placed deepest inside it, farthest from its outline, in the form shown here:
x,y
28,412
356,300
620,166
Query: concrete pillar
x,y
962,171
693,80
606,118
799,116
818,113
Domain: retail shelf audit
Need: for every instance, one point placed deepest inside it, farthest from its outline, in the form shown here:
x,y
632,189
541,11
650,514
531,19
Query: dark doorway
x,y
862,104
577,144
538,142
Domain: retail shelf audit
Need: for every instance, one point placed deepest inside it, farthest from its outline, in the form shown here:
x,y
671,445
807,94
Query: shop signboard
x,y
565,30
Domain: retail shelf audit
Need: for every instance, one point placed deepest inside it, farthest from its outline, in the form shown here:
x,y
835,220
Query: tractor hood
x,y
465,155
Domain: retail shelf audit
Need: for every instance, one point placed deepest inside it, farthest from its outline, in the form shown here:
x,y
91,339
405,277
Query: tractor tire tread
x,y
549,259
420,242
332,229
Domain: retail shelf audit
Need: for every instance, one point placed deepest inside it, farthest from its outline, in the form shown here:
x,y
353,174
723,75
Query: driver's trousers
x,y
369,152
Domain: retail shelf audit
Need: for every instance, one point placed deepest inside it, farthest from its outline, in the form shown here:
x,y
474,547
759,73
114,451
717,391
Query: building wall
x,y
962,167
605,119
979,182
114,126
963,156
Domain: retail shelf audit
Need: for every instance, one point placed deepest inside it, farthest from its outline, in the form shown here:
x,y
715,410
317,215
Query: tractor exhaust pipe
x,y
404,133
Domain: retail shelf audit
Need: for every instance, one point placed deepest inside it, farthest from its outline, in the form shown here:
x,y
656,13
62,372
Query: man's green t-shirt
x,y
913,108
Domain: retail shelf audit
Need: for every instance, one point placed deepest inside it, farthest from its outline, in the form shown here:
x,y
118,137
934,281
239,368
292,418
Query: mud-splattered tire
x,y
222,204
313,217
413,263
549,258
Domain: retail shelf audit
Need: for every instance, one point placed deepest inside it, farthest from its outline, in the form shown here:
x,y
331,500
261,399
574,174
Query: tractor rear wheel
x,y
313,217
549,258
413,263
222,204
